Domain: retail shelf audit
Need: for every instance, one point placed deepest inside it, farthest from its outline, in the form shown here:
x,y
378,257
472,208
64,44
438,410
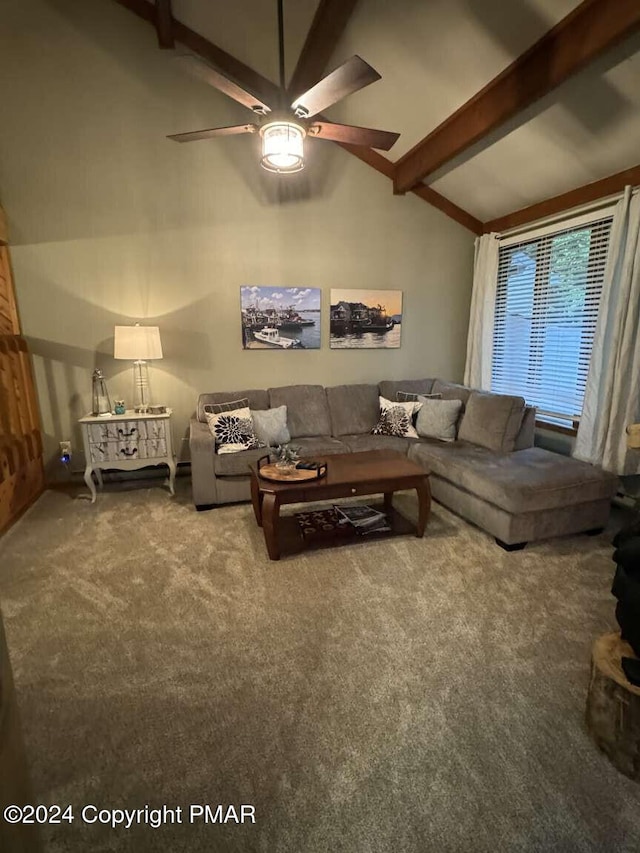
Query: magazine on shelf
x,y
380,526
364,518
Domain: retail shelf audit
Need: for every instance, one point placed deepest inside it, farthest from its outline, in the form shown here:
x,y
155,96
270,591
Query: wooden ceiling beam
x,y
265,89
328,24
385,167
223,61
164,24
452,210
559,203
588,31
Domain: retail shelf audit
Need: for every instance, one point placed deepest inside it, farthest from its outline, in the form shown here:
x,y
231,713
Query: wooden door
x,y
21,466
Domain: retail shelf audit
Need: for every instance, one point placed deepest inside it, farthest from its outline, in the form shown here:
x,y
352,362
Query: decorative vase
x,y
286,457
101,399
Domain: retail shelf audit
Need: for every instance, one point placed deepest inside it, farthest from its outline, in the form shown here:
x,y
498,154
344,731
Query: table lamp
x,y
138,344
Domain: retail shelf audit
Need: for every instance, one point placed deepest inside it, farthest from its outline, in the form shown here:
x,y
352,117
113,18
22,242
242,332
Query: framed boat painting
x,y
365,319
280,318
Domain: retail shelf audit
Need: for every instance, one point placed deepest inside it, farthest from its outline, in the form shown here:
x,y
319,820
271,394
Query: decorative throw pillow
x,y
396,419
233,431
438,418
270,426
216,408
411,397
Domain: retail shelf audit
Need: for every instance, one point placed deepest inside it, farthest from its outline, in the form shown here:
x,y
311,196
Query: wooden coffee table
x,y
348,475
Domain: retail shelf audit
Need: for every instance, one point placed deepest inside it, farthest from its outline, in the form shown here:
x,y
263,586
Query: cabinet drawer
x,y
327,493
113,451
117,431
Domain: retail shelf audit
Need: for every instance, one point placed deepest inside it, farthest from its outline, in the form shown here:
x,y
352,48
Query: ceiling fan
x,y
283,128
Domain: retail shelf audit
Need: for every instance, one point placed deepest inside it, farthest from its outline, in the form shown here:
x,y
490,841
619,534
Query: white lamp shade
x,y
137,343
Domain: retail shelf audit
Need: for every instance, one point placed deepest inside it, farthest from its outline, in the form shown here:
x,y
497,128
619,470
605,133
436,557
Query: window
x,y
547,301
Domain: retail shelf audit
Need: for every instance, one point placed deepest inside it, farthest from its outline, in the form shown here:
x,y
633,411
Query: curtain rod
x,y
570,213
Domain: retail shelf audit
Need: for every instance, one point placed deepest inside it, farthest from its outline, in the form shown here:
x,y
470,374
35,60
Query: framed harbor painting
x,y
365,319
280,318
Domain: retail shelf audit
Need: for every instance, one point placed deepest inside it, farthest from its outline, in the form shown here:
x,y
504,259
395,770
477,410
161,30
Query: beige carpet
x,y
402,696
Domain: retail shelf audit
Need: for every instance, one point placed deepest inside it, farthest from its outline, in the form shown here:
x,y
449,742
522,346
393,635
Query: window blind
x,y
547,301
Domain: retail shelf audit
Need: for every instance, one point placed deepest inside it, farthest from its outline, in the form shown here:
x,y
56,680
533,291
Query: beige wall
x,y
112,223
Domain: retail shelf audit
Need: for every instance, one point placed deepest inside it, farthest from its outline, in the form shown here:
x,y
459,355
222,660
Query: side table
x,y
126,442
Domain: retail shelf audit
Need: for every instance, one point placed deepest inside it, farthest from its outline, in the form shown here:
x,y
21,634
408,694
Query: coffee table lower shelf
x,y
291,540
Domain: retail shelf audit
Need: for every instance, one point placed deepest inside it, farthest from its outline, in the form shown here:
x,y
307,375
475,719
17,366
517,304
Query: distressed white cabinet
x,y
127,442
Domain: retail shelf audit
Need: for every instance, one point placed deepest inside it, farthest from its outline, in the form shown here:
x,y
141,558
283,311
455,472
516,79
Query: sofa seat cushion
x,y
319,445
354,408
524,481
236,464
307,409
357,443
492,420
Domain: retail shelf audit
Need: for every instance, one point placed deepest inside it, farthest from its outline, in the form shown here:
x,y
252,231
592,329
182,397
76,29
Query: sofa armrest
x,y
202,449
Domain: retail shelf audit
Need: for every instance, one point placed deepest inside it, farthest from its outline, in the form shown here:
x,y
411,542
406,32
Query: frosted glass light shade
x,y
137,343
282,147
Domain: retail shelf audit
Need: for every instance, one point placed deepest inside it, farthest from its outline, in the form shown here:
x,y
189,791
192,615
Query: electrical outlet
x,y
65,452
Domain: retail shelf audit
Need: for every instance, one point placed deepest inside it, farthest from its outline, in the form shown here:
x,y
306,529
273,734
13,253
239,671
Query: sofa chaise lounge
x,y
492,475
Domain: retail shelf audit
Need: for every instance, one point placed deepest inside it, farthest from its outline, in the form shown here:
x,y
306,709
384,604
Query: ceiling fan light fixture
x,y
282,147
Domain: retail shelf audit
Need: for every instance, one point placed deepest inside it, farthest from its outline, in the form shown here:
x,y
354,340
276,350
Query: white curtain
x,y
612,395
477,371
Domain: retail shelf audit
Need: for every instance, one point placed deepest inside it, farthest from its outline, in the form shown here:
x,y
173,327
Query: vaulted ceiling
x,y
566,116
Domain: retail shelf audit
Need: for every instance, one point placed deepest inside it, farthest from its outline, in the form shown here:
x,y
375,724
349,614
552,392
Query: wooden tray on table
x,y
270,471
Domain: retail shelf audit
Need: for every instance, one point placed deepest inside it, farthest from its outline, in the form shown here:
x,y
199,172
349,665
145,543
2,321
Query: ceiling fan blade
x,y
203,71
352,75
382,139
213,131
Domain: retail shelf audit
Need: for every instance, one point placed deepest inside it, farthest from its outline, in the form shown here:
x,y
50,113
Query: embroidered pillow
x,y
231,405
396,419
410,397
233,431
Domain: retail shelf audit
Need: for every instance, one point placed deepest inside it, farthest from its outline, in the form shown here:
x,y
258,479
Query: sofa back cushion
x,y
451,391
526,435
354,409
492,420
307,409
258,399
390,387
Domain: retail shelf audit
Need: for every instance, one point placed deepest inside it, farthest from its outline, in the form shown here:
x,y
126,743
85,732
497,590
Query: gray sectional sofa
x,y
492,475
